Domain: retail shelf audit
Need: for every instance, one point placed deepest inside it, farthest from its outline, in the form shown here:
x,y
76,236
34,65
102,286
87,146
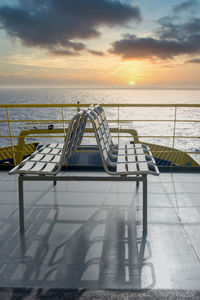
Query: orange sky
x,y
107,53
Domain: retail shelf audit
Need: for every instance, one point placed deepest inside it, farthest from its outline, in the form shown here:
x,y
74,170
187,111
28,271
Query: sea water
x,y
113,96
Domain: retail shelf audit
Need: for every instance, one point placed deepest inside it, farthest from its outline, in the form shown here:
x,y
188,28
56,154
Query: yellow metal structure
x,y
6,153
37,129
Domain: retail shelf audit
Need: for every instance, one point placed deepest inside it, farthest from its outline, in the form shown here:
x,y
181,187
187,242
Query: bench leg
x,y
145,205
54,182
21,204
137,183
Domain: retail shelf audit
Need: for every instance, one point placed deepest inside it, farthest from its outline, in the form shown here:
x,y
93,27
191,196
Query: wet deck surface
x,y
89,234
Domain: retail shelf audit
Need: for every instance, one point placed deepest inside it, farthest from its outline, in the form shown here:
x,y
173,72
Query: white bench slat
x,y
143,166
56,159
132,167
47,158
49,167
130,151
121,151
121,159
136,146
141,158
52,145
27,166
55,151
121,167
60,146
37,157
45,150
38,167
131,158
139,151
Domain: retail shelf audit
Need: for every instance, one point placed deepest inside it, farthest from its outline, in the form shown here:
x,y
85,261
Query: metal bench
x,y
132,163
46,163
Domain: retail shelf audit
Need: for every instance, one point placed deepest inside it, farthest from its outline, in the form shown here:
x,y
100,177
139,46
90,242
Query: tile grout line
x,y
182,226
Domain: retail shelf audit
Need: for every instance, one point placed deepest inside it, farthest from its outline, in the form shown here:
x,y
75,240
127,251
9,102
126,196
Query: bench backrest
x,y
50,158
101,138
103,120
74,135
132,162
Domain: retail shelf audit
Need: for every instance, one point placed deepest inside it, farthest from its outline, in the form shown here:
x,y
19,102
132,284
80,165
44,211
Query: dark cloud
x,y
175,35
185,6
169,29
194,61
133,47
56,24
98,53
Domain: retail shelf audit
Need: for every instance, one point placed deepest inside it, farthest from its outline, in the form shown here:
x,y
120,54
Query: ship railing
x,y
167,125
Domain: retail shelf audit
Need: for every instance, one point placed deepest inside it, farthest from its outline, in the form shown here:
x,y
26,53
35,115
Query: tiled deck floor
x,y
89,234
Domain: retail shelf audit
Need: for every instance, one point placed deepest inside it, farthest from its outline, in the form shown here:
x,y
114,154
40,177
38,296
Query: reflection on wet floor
x,y
90,235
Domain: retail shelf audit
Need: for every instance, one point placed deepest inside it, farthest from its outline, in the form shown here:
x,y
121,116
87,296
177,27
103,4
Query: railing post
x,y
78,109
10,133
118,122
63,121
174,130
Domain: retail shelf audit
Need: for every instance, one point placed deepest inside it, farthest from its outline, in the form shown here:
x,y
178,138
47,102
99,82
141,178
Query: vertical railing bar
x,y
78,109
10,134
63,121
174,130
118,122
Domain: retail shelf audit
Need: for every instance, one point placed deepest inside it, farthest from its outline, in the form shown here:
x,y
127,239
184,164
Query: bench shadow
x,y
106,250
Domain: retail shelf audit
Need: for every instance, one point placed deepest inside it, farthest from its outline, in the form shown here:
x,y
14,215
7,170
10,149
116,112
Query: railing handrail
x,y
102,104
172,118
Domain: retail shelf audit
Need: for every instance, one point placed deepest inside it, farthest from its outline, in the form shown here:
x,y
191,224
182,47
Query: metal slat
x,y
46,150
130,151
38,167
47,158
121,151
60,146
37,157
132,167
139,151
27,166
121,159
56,159
143,167
131,158
141,158
49,167
55,151
121,167
52,145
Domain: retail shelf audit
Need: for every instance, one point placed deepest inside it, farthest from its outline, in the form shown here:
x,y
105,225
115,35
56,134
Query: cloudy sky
x,y
100,43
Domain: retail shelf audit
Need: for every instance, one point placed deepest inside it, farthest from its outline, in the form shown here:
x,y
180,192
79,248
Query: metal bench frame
x,y
72,141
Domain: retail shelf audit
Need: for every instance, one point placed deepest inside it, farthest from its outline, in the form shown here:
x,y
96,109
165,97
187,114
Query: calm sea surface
x,y
94,96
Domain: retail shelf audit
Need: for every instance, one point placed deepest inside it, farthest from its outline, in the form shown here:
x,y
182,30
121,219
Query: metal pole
x,y
21,204
145,205
11,140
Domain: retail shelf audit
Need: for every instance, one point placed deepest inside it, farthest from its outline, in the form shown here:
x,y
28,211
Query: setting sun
x,y
132,82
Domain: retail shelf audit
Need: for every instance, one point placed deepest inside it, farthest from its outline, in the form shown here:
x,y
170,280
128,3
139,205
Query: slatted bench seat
x,y
134,158
45,164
